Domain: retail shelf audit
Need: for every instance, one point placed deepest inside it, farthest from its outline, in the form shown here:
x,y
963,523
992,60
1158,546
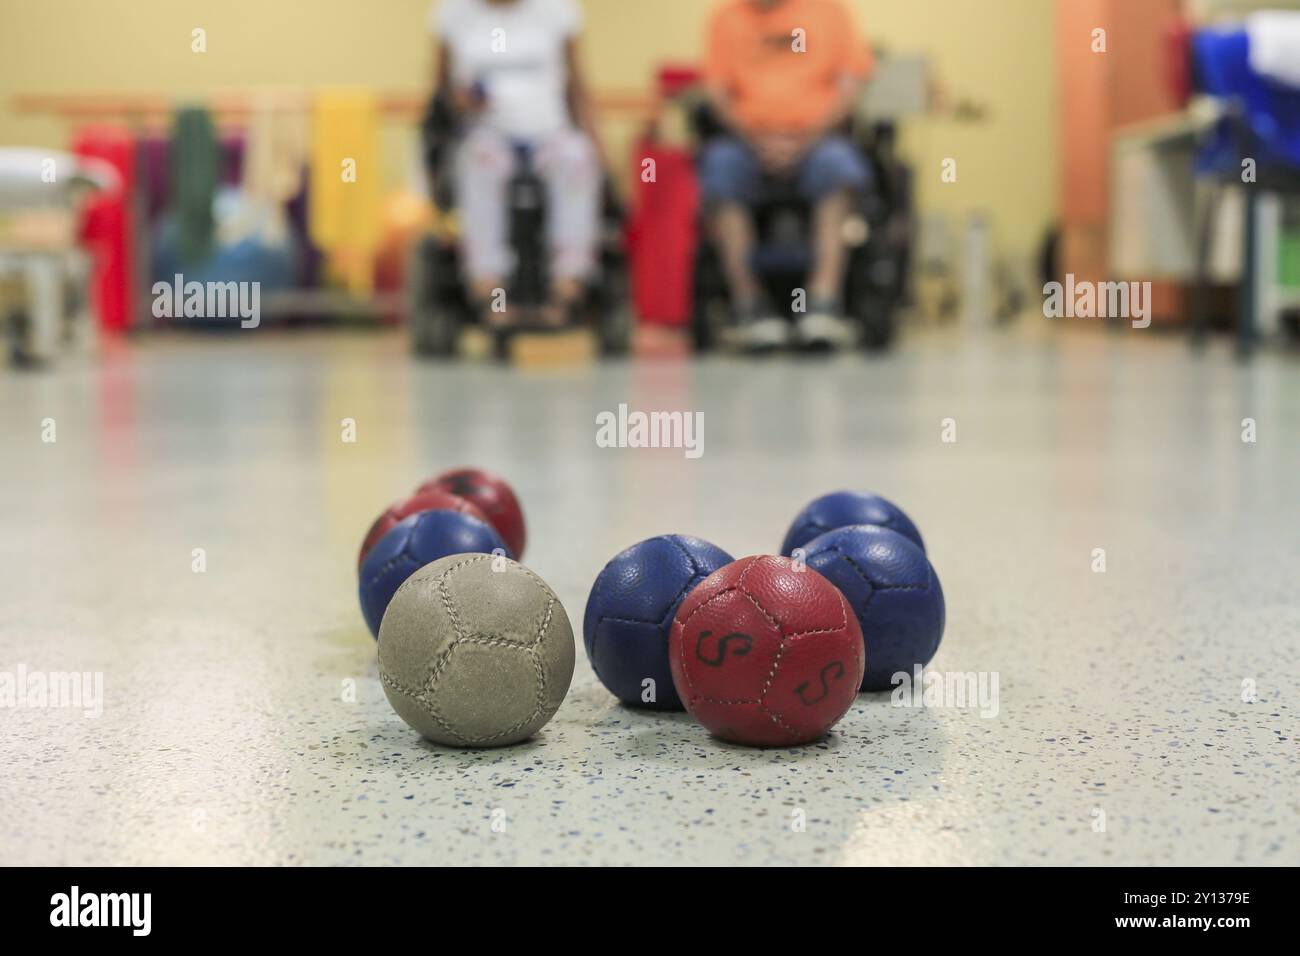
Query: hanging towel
x,y
1275,45
345,185
278,144
195,162
278,140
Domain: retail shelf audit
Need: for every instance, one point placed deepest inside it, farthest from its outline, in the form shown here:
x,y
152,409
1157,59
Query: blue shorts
x,y
730,171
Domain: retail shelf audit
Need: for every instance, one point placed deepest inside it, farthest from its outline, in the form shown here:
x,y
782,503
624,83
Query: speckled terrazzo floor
x,y
227,735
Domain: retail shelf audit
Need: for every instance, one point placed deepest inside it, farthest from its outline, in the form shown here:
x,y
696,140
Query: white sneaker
x,y
760,335
824,330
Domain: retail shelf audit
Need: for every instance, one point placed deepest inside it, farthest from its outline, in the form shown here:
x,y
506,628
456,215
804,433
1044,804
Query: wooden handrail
x,y
152,107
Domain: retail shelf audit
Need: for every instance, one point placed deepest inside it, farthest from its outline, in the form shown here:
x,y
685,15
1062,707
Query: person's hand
x,y
468,100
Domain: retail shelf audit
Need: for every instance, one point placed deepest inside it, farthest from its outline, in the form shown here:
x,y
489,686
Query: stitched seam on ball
x,y
874,586
625,620
695,568
546,588
423,698
539,686
711,599
740,586
740,579
422,701
771,675
723,700
445,594
439,663
844,622
539,703
475,559
780,650
394,683
539,699
686,671
691,581
854,565
388,566
815,630
777,719
780,653
546,619
762,610
492,642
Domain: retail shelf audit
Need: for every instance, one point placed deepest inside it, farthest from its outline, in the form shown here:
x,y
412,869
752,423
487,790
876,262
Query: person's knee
x,y
570,155
486,153
834,165
728,172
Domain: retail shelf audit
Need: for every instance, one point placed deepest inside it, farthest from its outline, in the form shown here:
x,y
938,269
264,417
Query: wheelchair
x,y
880,234
438,303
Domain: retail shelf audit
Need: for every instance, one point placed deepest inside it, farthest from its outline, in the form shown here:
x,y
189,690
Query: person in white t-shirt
x,y
511,68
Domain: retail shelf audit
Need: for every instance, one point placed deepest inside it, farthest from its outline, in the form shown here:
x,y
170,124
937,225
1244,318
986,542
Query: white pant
x,y
566,162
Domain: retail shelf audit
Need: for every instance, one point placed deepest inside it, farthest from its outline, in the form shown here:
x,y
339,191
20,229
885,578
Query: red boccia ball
x,y
766,652
492,495
420,501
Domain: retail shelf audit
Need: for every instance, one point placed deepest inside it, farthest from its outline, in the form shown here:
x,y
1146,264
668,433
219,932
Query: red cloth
x,y
1178,60
106,226
677,78
661,234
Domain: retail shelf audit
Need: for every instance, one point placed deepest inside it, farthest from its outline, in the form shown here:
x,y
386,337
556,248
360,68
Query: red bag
x,y
106,227
661,234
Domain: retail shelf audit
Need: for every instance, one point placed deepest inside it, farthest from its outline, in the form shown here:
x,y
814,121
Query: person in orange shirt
x,y
783,76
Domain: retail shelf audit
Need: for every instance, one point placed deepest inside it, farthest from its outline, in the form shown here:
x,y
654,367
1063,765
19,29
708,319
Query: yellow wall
x,y
995,52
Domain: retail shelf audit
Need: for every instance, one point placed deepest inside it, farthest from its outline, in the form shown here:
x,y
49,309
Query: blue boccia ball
x,y
840,509
630,614
411,544
894,592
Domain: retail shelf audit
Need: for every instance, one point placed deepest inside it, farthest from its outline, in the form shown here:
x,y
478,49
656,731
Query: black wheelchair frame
x,y
438,304
882,229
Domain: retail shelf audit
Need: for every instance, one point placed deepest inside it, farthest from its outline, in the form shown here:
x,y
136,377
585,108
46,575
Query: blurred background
x,y
191,474
1103,139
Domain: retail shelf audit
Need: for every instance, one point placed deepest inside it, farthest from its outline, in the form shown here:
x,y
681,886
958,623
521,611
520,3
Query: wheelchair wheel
x,y
876,321
615,332
612,312
434,295
872,301
19,355
708,300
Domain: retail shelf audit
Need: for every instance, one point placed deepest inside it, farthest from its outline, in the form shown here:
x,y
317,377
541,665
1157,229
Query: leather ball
x,y
425,501
630,615
475,651
411,544
842,508
493,496
894,592
766,652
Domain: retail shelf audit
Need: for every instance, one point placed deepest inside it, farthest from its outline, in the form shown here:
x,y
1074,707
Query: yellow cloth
x,y
345,185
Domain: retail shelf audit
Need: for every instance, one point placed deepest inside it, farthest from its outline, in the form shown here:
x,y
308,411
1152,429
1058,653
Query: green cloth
x,y
195,159
1288,259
